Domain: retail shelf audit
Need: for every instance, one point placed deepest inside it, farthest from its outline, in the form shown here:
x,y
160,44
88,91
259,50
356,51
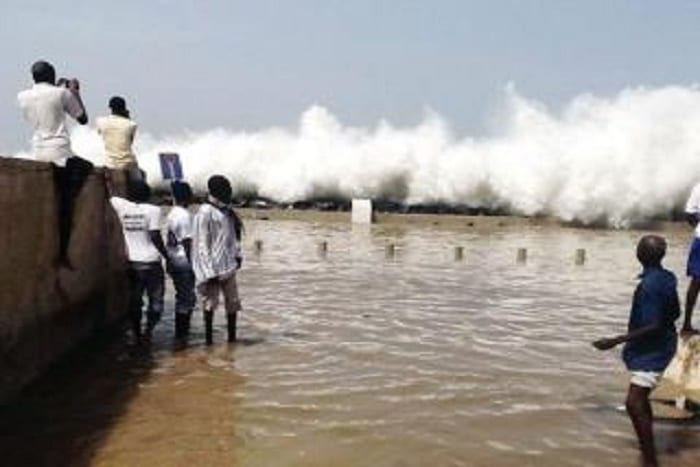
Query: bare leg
x,y
639,410
209,326
231,326
690,299
233,306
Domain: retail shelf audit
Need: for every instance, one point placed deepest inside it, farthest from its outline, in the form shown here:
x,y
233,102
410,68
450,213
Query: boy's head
x,y
117,105
182,193
220,188
43,72
139,191
651,250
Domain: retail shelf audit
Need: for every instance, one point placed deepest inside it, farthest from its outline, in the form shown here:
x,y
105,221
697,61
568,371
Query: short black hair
x,y
43,72
117,103
220,188
651,249
182,192
138,191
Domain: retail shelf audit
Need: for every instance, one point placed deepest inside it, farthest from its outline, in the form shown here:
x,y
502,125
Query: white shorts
x,y
211,290
645,379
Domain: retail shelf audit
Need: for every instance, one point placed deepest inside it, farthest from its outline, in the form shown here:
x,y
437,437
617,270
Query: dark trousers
x,y
69,181
183,280
148,278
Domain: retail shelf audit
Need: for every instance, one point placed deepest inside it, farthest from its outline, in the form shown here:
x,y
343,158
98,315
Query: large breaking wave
x,y
621,159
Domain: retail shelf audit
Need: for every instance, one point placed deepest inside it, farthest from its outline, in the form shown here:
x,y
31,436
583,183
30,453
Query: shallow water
x,y
356,358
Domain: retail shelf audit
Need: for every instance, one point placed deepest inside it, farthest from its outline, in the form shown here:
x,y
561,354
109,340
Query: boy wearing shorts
x,y
216,255
650,342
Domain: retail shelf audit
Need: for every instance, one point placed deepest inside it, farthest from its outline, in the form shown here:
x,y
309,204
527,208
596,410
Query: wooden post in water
x,y
522,255
323,248
258,247
580,256
390,251
459,253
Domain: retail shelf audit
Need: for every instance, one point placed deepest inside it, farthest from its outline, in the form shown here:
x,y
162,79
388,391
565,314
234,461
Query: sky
x,y
248,65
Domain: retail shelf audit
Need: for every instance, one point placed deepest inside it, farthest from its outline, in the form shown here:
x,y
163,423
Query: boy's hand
x,y
605,344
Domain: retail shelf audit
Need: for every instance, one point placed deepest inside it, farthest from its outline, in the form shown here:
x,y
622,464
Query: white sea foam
x,y
619,159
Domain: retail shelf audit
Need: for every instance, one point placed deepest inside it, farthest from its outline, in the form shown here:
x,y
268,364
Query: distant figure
x,y
180,252
141,227
692,212
216,254
118,131
650,342
45,107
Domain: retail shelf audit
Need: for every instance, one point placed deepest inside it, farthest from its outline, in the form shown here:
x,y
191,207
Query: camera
x,y
68,83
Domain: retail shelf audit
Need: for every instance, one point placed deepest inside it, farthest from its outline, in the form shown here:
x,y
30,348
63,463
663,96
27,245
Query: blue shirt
x,y
655,301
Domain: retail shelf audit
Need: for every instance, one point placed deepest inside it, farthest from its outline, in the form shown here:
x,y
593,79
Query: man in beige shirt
x,y
117,131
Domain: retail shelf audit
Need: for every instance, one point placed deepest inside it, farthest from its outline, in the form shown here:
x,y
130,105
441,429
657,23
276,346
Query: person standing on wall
x,y
692,212
45,106
179,245
118,131
216,255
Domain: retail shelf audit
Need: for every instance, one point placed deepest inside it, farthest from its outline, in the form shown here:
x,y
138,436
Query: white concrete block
x,y
362,211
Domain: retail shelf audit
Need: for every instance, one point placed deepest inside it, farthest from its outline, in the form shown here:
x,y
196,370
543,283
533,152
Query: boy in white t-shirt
x,y
141,227
180,253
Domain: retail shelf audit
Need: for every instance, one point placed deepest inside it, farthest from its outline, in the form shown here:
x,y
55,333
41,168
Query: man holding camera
x,y
45,106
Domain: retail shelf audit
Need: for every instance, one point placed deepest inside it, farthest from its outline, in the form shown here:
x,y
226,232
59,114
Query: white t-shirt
x,y
179,229
118,135
693,206
45,107
137,221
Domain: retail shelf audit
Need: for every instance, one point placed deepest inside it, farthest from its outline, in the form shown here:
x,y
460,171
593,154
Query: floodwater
x,y
359,358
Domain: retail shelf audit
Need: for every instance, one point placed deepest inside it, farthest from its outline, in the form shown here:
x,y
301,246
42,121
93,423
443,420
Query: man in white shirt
x,y
141,227
692,211
118,131
45,107
216,255
180,253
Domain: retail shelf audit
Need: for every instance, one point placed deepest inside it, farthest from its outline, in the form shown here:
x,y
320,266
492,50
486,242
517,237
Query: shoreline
x,y
450,221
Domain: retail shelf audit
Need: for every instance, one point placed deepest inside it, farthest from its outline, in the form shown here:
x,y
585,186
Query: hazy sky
x,y
246,65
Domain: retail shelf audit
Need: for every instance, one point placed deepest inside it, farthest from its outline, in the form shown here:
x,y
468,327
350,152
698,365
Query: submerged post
x,y
390,250
522,255
258,246
580,256
323,248
459,253
362,211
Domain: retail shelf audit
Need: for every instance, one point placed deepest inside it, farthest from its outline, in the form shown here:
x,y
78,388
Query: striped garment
x,y
215,249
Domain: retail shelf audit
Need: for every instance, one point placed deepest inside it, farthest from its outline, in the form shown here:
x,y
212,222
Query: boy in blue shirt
x,y
650,342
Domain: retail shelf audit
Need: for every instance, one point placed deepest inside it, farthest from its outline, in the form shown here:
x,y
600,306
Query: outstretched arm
x,y
639,333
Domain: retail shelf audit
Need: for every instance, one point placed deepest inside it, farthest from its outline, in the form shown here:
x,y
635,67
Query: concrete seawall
x,y
45,309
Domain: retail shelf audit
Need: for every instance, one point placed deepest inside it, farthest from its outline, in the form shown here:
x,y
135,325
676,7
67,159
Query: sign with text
x,y
170,166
